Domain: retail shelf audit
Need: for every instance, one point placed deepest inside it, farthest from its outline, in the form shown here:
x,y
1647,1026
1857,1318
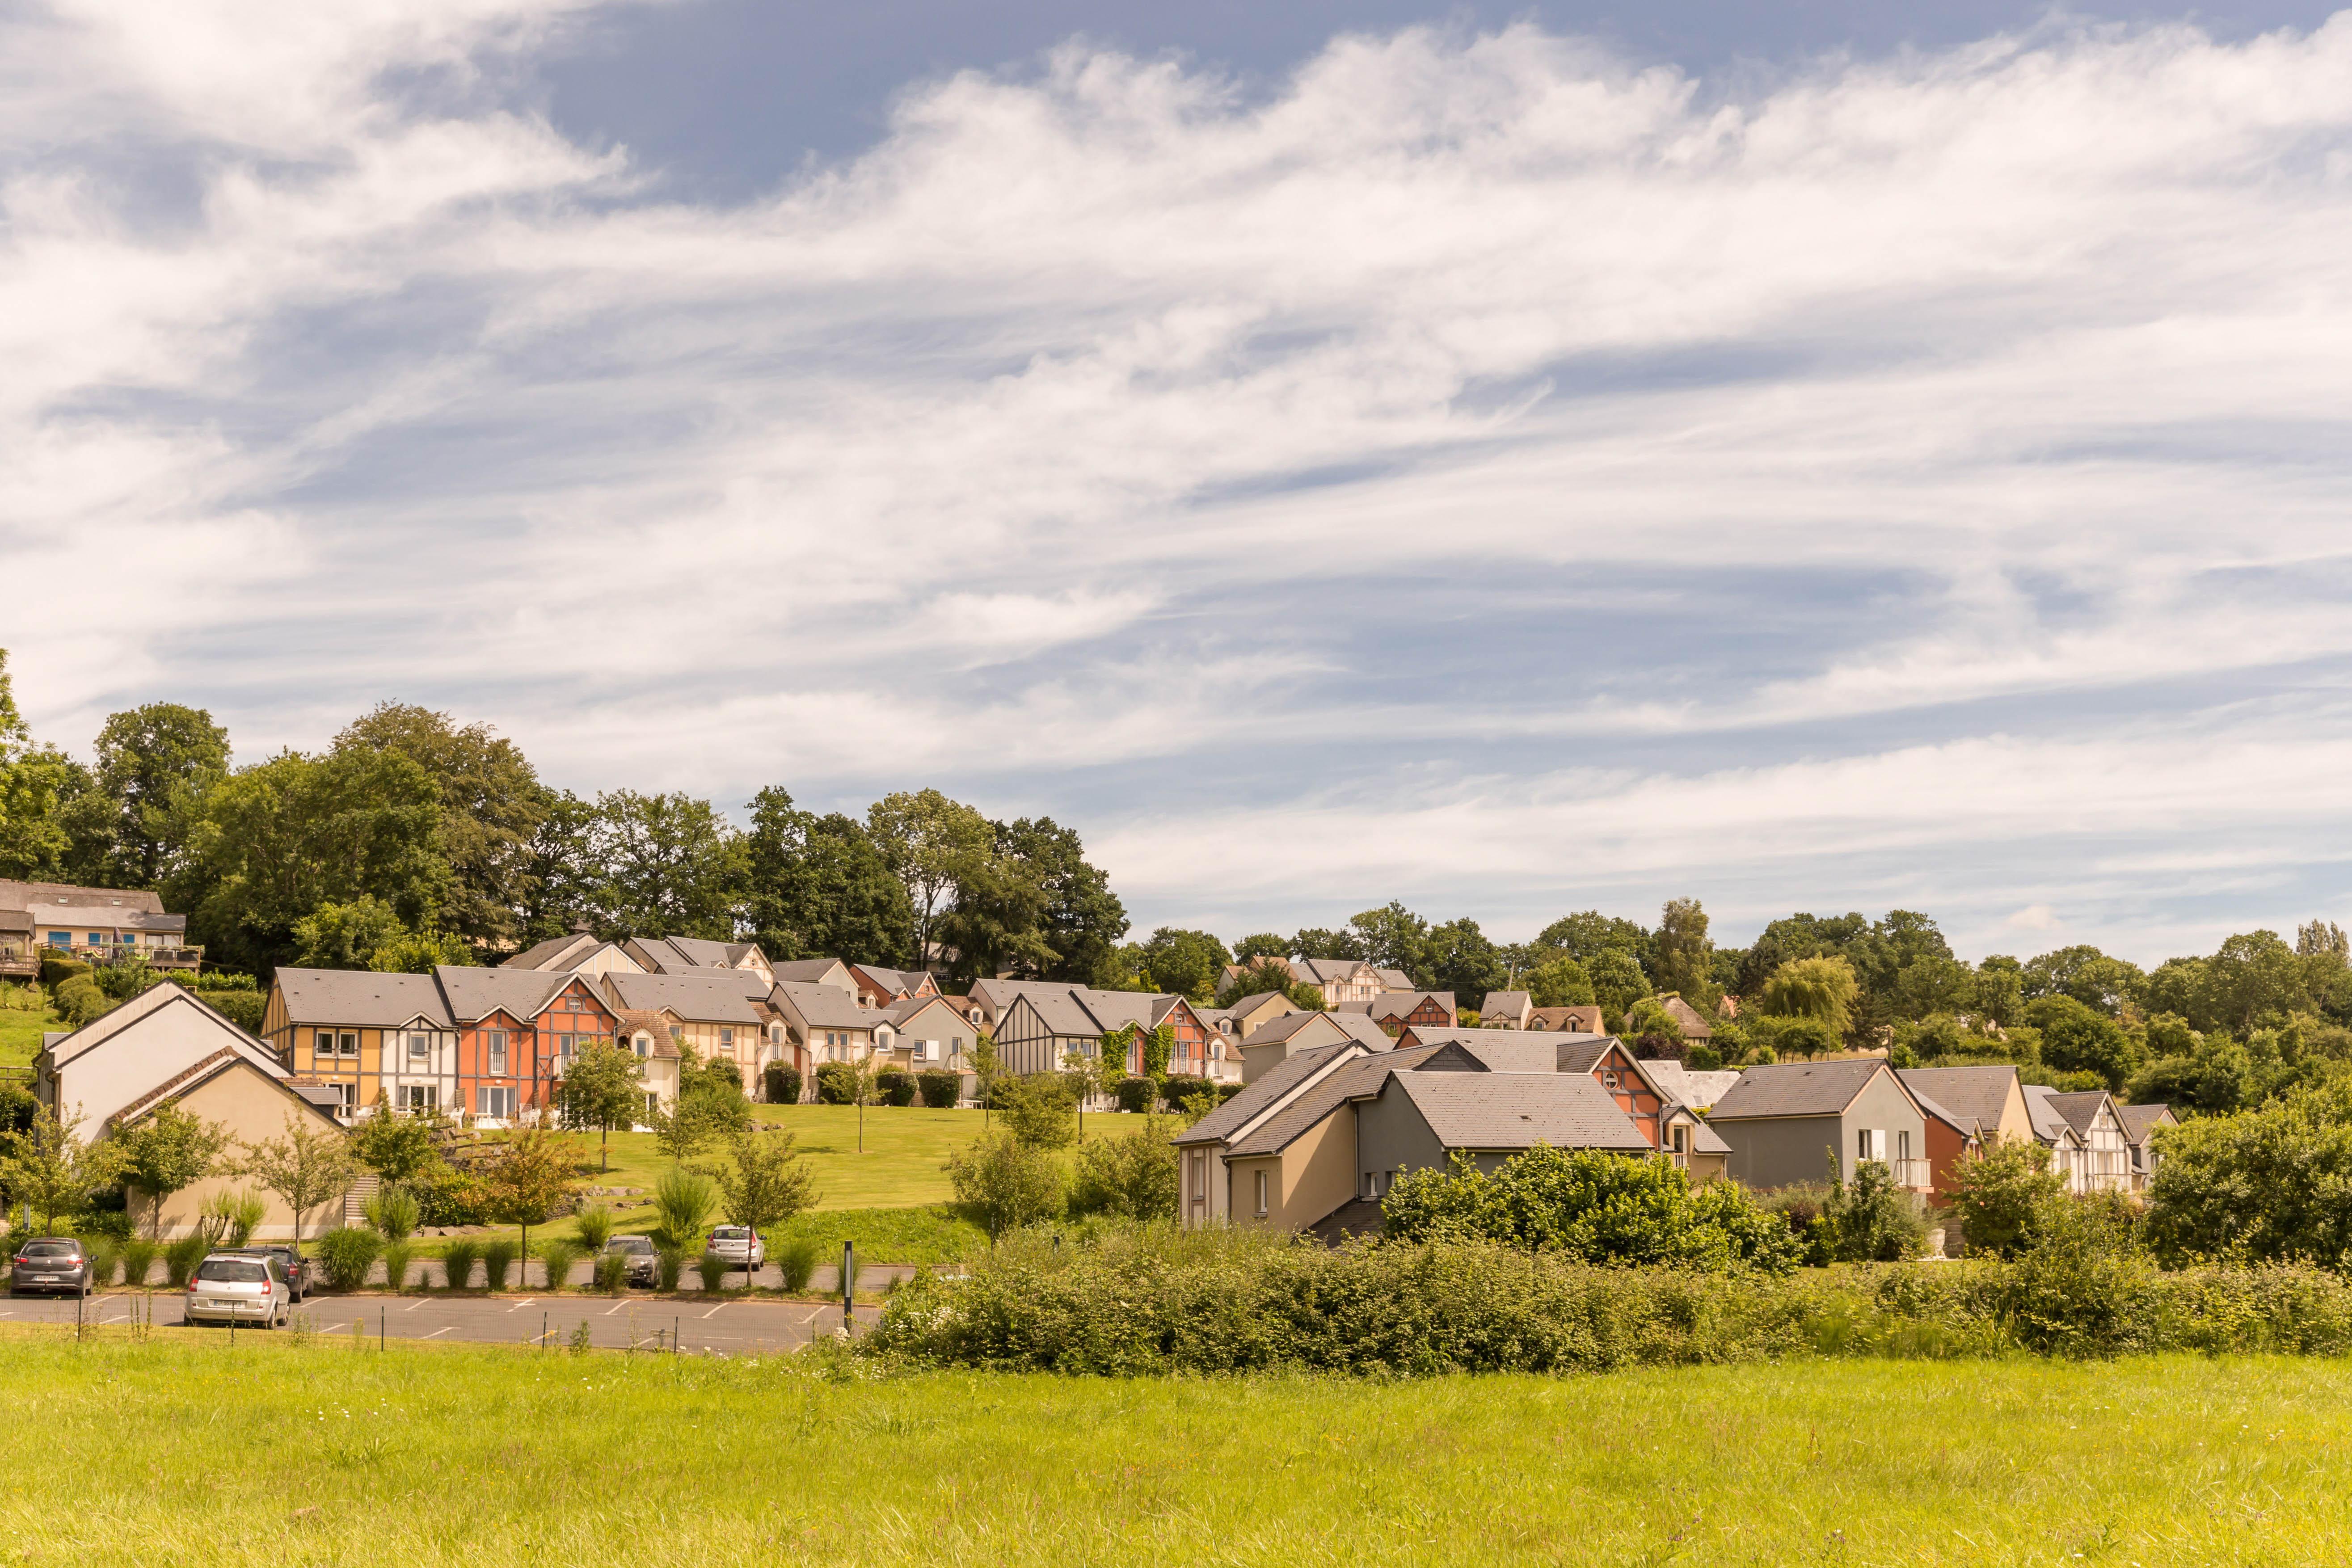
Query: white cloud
x,y
1338,465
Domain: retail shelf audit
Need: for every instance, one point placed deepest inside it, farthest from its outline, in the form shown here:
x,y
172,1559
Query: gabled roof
x,y
1398,980
1323,971
365,1000
1284,1077
1797,1088
697,998
1511,1004
1256,1000
908,980
1402,1004
475,994
1509,1110
1558,1020
810,971
2140,1120
1966,1126
1350,1080
2082,1110
824,1006
228,1058
901,1014
1976,1094
74,1044
2050,1125
1523,1051
1699,1090
553,953
17,895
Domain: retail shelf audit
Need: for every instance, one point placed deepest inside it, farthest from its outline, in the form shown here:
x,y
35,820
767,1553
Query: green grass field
x,y
21,1027
195,1452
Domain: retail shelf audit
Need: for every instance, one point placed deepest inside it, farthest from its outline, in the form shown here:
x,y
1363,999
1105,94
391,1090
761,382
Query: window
x,y
652,1105
676,1035
348,1043
1260,1194
1682,1139
1371,1185
98,938
494,1100
494,1047
344,1092
419,1096
645,1046
1902,1145
61,939
1609,1079
420,1050
726,1039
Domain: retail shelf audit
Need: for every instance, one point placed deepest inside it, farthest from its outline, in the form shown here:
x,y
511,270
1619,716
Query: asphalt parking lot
x,y
736,1326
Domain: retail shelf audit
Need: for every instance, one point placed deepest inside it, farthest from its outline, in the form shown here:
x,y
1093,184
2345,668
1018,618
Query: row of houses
x,y
1321,1132
91,925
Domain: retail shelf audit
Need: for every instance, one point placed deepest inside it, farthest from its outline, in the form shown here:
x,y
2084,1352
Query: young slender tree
x,y
603,1087
308,1166
169,1151
50,1169
528,1177
763,1184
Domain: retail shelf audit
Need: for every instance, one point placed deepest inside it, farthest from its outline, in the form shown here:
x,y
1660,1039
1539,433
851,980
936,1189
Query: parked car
x,y
644,1264
299,1279
51,1265
737,1243
239,1287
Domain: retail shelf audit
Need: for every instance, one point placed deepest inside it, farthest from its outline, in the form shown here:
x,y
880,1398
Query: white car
x,y
238,1288
735,1243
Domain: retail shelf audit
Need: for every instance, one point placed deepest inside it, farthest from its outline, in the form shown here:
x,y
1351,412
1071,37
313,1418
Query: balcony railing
x,y
125,952
1912,1173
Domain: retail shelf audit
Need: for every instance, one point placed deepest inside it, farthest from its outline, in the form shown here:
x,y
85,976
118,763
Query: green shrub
x,y
346,1253
596,1225
80,1001
498,1256
457,1260
557,1258
796,1258
393,1212
56,970
138,1256
243,1008
713,1270
1593,1207
181,1258
448,1196
124,979
612,1273
1869,1220
1176,1090
2002,1196
2271,1183
106,1220
1005,1184
781,1084
835,1084
894,1086
1040,1109
1132,1176
397,1255
1134,1094
105,1257
940,1087
684,1200
233,1216
669,1262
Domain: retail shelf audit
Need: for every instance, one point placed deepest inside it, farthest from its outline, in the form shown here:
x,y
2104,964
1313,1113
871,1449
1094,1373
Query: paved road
x,y
734,1327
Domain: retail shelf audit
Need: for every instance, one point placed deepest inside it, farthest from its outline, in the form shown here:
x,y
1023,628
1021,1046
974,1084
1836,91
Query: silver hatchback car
x,y
238,1288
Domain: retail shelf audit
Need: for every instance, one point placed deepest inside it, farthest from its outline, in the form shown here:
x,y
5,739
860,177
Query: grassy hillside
x,y
493,1456
24,1016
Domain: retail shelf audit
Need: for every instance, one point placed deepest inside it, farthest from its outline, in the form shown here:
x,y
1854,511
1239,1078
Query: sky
x,y
1514,460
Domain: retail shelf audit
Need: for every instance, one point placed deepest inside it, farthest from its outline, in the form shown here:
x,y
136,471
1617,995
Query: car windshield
x,y
233,1272
729,1233
52,1248
631,1244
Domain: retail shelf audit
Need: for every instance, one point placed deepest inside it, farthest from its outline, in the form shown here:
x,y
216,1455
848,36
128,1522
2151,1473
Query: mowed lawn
x,y
904,1147
195,1452
21,1028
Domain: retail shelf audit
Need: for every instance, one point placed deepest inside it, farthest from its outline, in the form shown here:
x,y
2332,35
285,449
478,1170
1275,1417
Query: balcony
x,y
187,958
19,961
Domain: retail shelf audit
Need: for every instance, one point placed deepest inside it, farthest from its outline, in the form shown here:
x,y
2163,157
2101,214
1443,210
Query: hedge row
x,y
1160,1301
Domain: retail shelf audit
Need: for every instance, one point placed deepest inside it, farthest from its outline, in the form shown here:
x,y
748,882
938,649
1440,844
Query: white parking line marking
x,y
437,1332
617,1307
518,1306
426,1302
336,1328
714,1311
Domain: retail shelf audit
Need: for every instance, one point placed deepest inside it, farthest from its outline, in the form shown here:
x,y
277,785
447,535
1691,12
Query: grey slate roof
x,y
697,998
1280,1080
2049,1124
2138,1119
1968,1125
473,993
1973,1094
366,1000
1699,1090
1514,1110
1275,1030
807,971
1515,1050
1398,980
553,951
824,1006
2081,1110
1509,1003
1797,1088
1360,1077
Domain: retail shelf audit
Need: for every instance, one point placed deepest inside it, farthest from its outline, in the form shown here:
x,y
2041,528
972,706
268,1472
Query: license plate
x,y
45,1280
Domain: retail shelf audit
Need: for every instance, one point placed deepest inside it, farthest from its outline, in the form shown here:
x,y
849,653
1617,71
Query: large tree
x,y
816,886
1080,920
1461,960
559,880
931,844
277,840
670,865
155,765
603,1088
37,781
1188,964
492,808
1684,957
1393,937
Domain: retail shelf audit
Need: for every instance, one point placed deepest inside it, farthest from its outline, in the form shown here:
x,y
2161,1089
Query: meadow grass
x,y
183,1450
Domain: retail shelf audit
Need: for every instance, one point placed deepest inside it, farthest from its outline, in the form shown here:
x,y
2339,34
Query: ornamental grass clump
x,y
796,1259
714,1271
457,1260
595,1223
138,1256
612,1273
104,1259
498,1256
181,1258
558,1258
348,1252
397,1257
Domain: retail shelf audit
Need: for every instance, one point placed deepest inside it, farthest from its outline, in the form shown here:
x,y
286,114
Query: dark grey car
x,y
50,1265
298,1281
644,1264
